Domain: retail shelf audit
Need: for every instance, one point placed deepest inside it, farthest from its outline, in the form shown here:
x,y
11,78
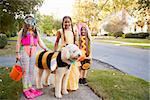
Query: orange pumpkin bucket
x,y
16,72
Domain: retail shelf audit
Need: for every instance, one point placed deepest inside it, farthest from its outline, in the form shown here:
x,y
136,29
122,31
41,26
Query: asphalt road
x,y
131,60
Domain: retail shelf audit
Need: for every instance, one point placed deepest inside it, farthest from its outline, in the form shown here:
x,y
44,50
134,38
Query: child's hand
x,y
76,43
45,49
18,57
88,58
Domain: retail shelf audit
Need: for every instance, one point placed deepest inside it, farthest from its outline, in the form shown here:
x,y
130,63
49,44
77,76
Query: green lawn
x,y
131,40
49,45
138,43
114,85
9,89
13,38
9,49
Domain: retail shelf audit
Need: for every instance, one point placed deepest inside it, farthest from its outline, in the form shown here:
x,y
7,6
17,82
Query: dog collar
x,y
71,61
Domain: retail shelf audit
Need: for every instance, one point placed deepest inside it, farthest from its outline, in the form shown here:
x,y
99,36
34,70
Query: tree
x,y
115,22
85,11
94,12
12,10
144,4
48,24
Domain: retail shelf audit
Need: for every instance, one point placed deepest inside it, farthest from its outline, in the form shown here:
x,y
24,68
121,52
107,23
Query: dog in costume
x,y
59,61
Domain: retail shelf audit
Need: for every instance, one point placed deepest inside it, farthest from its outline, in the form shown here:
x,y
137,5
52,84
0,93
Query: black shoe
x,y
80,81
84,81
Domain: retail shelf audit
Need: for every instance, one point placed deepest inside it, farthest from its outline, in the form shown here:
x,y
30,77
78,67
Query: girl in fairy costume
x,y
28,39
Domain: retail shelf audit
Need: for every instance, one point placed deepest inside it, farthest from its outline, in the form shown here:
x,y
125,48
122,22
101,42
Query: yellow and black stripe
x,y
85,64
44,58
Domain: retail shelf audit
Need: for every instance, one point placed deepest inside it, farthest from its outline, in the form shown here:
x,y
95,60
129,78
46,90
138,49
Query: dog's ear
x,y
65,54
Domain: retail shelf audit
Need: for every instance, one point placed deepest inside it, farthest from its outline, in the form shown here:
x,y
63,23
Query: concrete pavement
x,y
83,93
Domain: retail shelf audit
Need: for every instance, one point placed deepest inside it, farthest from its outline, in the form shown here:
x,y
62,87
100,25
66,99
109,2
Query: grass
x,y
114,85
137,43
138,46
123,39
13,38
9,49
49,44
9,89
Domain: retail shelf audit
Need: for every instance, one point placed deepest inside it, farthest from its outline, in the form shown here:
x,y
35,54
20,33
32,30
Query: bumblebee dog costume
x,y
61,61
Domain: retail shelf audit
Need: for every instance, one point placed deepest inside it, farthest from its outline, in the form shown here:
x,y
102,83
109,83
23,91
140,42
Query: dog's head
x,y
70,52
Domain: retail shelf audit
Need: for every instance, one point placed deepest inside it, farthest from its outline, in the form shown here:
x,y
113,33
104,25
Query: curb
x,y
99,61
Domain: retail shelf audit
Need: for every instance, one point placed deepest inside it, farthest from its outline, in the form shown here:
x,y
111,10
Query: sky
x,y
58,8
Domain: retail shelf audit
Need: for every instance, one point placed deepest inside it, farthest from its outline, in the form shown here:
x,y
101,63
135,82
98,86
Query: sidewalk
x,y
83,93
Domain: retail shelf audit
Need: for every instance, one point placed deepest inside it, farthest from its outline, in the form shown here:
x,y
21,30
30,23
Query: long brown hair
x,y
25,30
86,33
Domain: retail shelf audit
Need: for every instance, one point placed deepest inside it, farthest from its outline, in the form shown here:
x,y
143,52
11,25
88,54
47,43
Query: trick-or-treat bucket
x,y
16,73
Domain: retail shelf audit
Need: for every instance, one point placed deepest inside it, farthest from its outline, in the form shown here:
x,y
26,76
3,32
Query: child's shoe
x,y
28,94
36,92
80,81
84,81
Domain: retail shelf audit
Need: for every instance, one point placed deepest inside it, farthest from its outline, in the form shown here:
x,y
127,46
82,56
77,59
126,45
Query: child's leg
x,y
25,67
81,75
84,81
84,73
81,72
31,68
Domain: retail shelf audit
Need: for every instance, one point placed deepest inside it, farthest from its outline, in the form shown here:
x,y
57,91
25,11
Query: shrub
x,y
3,40
118,34
110,34
11,34
136,35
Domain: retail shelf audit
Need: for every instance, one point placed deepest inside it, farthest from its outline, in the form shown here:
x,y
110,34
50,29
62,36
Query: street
x,y
130,60
127,59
